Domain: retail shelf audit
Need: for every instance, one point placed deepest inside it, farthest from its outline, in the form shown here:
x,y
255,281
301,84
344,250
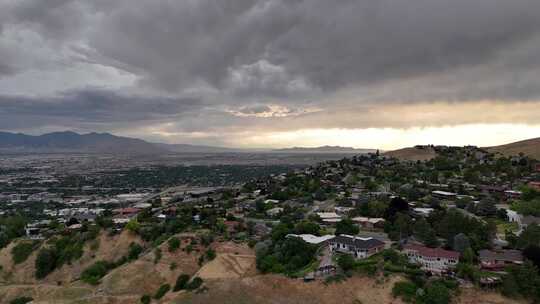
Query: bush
x,y
95,272
210,254
436,293
346,262
174,244
194,284
134,251
163,289
45,262
145,299
21,300
133,226
405,290
181,282
22,251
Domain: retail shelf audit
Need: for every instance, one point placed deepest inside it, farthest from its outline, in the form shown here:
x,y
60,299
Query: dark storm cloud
x,y
5,69
93,106
274,46
233,63
326,44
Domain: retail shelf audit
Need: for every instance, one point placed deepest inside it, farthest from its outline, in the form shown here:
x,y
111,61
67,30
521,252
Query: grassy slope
x,y
530,147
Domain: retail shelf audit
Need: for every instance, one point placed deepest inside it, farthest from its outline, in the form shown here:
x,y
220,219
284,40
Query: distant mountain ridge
x,y
106,143
324,149
68,141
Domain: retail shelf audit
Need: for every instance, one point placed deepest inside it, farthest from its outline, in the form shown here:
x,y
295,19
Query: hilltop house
x,y
358,247
434,260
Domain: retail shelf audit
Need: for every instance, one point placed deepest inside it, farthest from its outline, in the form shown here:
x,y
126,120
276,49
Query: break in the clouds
x,y
214,70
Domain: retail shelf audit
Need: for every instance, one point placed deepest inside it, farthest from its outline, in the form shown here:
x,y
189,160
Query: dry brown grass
x,y
530,147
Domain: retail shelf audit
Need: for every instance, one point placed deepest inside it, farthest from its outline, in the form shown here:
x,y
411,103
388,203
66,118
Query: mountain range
x,y
71,142
106,143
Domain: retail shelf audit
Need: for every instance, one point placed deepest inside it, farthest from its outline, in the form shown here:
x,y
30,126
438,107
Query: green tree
x,y
345,262
436,293
181,282
22,251
307,227
134,251
346,226
210,254
163,289
45,262
146,299
95,272
21,300
530,236
133,226
194,284
174,244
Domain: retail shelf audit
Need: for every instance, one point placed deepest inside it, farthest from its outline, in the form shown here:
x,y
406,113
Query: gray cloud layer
x,y
210,57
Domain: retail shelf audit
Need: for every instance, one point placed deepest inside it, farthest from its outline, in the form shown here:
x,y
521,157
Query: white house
x,y
434,260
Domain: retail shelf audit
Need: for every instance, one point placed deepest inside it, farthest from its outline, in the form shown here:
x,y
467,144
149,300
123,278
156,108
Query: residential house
x,y
443,194
424,212
329,217
312,239
512,194
274,211
369,223
358,247
499,259
434,260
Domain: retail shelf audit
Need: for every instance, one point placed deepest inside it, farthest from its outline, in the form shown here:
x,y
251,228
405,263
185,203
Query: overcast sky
x,y
274,73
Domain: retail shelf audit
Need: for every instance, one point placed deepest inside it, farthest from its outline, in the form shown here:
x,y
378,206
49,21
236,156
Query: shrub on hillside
x,y
163,289
174,244
194,284
181,282
95,272
145,299
21,300
22,251
45,262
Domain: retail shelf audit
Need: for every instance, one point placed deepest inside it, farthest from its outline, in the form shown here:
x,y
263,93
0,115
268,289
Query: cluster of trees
x,y
11,227
99,269
22,250
284,255
529,203
60,250
522,281
183,282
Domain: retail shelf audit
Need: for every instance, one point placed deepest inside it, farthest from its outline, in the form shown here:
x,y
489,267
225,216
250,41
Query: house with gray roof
x,y
358,247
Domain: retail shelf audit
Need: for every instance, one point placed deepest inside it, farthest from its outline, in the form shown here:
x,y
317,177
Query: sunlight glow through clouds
x,y
389,138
